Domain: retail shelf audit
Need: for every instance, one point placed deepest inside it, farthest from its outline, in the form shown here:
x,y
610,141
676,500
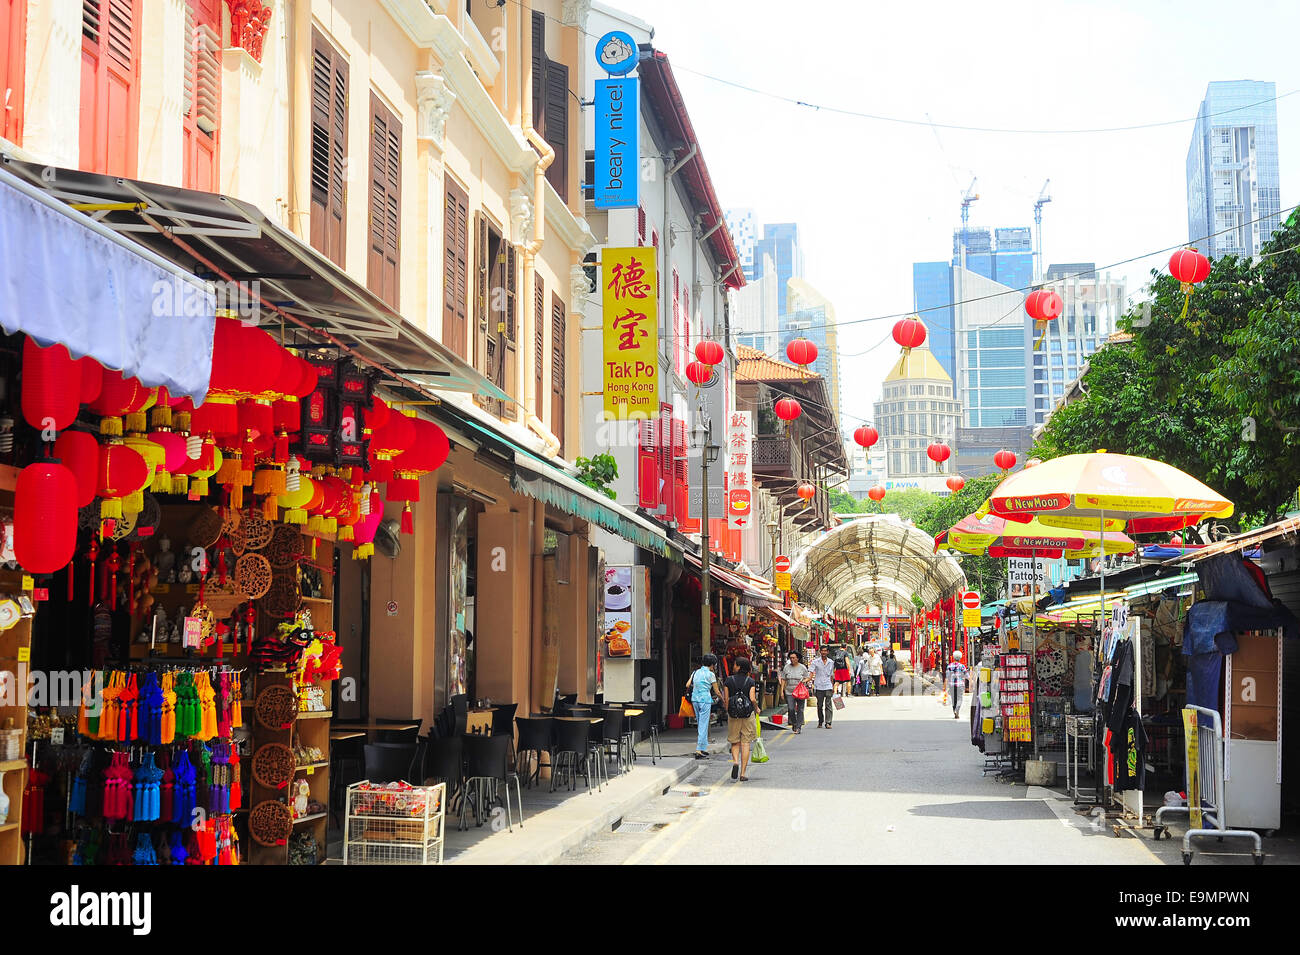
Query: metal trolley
x,y
386,826
1208,779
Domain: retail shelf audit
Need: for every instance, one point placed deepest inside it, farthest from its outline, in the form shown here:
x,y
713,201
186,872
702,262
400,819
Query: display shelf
x,y
311,818
12,764
9,825
315,714
302,766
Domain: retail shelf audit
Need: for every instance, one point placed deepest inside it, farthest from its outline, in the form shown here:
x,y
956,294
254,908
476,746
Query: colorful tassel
x,y
135,422
198,489
269,509
408,519
111,427
236,494
230,468
295,515
345,532
182,420
161,415
281,455
133,503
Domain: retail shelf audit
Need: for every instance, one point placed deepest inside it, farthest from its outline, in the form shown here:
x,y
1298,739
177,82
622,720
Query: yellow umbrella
x,y
983,532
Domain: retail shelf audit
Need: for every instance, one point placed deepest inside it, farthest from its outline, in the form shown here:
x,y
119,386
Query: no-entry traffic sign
x,y
782,564
970,599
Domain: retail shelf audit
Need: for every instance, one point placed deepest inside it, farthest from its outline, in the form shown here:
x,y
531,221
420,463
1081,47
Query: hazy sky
x,y
873,197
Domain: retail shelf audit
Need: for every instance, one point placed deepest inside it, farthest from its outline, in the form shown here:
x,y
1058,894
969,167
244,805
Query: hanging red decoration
x,y
1043,305
51,386
806,491
955,483
79,453
877,493
787,409
938,452
92,379
1176,541
45,517
909,333
1004,459
396,435
801,351
376,416
709,352
866,435
698,373
1190,268
122,471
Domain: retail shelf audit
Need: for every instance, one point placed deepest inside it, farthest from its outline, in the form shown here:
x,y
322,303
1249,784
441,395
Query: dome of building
x,y
919,364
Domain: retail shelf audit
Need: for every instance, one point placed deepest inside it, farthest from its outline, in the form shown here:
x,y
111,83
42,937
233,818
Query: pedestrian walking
x,y
843,674
795,675
862,681
891,668
875,669
742,727
823,671
703,687
956,681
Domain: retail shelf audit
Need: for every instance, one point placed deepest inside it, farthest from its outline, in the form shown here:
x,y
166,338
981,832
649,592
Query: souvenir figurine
x,y
165,561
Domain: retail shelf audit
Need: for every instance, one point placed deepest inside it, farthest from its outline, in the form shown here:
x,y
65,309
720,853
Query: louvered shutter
x,y
110,97
539,67
539,340
329,121
510,351
201,95
557,368
677,325
647,465
480,293
681,488
640,225
557,126
383,273
13,53
455,273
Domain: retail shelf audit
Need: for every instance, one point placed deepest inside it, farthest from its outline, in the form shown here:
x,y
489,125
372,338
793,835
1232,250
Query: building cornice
x,y
433,31
572,230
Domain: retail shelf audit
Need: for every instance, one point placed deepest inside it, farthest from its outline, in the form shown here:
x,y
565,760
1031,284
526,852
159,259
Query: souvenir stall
x,y
170,566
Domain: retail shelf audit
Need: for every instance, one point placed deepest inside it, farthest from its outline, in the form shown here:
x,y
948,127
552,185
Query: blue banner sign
x,y
617,126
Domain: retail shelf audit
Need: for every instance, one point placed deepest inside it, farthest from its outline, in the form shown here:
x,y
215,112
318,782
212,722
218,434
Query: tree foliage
x,y
986,574
1215,393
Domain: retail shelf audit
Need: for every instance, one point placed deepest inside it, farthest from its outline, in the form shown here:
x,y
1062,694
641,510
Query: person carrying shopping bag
x,y
875,669
703,688
863,674
795,677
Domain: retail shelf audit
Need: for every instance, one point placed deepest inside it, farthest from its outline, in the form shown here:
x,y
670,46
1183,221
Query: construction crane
x,y
1043,199
966,200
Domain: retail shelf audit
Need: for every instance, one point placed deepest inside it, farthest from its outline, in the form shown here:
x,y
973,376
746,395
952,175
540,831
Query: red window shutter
x,y
13,53
383,271
677,325
640,225
455,270
647,465
329,124
201,96
664,435
557,368
110,95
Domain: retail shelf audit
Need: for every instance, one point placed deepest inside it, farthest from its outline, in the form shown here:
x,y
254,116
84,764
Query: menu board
x,y
627,612
1015,694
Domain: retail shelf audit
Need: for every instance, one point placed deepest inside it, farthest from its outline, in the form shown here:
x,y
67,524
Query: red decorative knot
x,y
249,21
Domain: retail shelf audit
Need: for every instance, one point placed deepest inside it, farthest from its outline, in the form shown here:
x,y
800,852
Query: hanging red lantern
x,y
78,451
92,379
698,373
1043,305
709,352
801,351
396,435
1004,459
1190,269
45,517
51,386
866,435
117,394
787,409
909,333
955,483
806,492
938,452
122,471
376,416
877,493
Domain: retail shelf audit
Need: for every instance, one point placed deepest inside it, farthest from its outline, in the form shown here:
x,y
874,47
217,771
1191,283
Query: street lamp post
x,y
702,439
774,532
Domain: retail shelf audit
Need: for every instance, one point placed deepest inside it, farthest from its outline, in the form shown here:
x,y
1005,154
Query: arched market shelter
x,y
877,560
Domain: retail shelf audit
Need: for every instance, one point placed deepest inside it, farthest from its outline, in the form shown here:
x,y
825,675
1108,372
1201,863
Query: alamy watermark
x,y
178,298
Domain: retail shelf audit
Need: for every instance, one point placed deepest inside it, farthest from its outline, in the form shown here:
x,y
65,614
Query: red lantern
x,y
79,453
376,416
938,452
122,471
955,483
1006,460
787,409
92,379
1043,305
801,351
429,450
118,395
1189,267
806,491
1176,541
51,386
173,445
877,493
909,333
45,516
396,435
866,435
709,352
698,373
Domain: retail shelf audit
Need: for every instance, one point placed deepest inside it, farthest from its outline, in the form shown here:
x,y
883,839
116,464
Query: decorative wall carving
x,y
575,13
249,21
434,102
521,216
580,291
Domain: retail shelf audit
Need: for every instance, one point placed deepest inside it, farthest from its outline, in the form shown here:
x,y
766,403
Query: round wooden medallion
x,y
274,765
276,707
256,530
270,823
205,529
253,576
285,546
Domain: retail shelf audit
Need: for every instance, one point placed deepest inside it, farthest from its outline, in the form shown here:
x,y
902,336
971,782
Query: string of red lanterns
x,y
1190,269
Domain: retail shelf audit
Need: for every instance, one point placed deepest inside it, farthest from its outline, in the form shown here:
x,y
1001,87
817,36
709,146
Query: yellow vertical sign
x,y
1193,769
630,319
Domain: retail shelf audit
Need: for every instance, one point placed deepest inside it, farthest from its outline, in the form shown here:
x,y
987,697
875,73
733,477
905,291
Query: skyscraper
x,y
1233,192
812,316
755,320
1091,305
744,233
780,243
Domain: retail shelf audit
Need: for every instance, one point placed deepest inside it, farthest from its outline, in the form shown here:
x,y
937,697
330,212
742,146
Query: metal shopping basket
x,y
1205,786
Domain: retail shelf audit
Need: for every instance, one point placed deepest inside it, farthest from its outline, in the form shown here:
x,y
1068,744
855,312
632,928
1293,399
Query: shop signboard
x,y
630,328
740,436
708,403
617,168
1193,764
1027,571
627,612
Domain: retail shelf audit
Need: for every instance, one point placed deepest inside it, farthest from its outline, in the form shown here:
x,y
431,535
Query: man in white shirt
x,y
823,672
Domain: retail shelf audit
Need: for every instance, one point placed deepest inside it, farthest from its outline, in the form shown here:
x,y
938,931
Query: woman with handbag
x,y
795,676
703,689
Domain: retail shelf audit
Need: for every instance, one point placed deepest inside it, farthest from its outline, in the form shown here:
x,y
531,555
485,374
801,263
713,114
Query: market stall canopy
x,y
750,595
1002,537
874,560
202,232
66,278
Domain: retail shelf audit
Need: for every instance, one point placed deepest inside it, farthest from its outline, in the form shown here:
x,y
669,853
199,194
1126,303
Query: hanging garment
x,y
184,799
144,852
148,784
1121,691
167,719
1129,747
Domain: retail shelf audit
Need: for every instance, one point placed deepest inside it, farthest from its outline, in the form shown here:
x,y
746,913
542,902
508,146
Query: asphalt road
x,y
895,781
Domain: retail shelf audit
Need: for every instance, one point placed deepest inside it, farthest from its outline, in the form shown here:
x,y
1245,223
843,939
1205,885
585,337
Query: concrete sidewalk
x,y
556,822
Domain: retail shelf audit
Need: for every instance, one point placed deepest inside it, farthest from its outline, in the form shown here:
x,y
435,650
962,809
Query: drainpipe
x,y
525,383
299,212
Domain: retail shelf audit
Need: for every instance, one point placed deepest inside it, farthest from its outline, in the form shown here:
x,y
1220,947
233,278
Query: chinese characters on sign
x,y
631,333
739,471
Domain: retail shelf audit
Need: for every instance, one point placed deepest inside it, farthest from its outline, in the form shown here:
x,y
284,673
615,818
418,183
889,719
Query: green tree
x,y
843,502
986,574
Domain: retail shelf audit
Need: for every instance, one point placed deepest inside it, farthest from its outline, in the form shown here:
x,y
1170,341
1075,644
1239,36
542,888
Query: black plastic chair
x,y
389,762
347,765
596,750
460,714
643,724
503,724
581,712
571,753
613,733
563,702
398,736
487,766
536,736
